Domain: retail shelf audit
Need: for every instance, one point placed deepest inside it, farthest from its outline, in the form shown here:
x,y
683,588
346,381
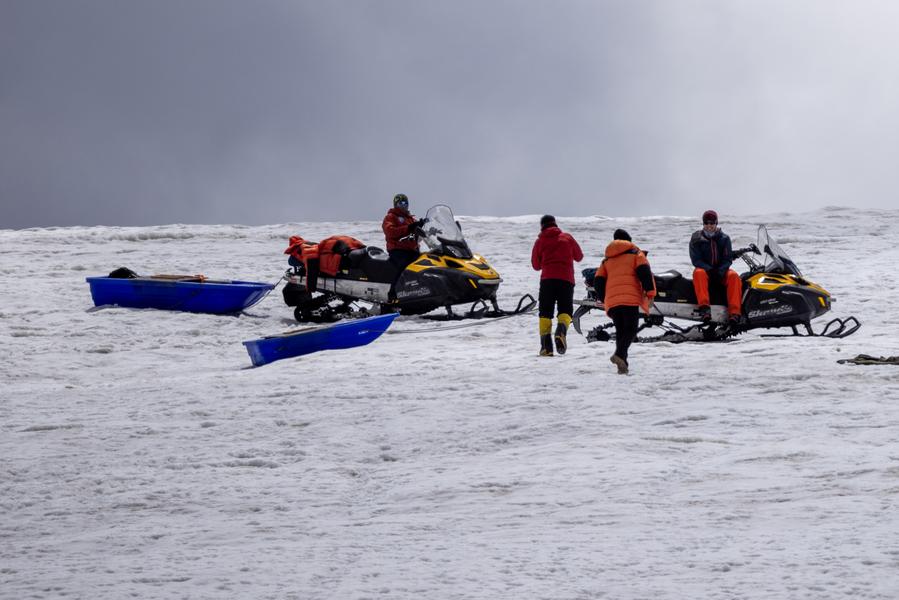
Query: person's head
x,y
547,221
621,234
710,221
401,201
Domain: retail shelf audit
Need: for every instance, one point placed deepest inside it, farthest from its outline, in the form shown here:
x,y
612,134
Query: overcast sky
x,y
139,112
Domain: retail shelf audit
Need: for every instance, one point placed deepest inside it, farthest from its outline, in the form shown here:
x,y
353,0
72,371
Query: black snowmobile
x,y
368,283
775,294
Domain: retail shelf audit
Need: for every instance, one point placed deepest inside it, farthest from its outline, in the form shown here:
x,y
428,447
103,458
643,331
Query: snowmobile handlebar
x,y
746,254
416,229
750,248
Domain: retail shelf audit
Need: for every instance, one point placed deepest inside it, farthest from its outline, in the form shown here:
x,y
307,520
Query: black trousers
x,y
626,320
555,292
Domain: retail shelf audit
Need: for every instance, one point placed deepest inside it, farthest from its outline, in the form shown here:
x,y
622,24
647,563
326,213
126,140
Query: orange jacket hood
x,y
619,247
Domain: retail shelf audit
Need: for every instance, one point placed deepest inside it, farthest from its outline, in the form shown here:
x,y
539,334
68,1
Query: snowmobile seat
x,y
672,282
356,257
671,286
667,277
374,263
674,287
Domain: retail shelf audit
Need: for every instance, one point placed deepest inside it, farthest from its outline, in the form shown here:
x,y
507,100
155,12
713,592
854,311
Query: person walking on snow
x,y
624,284
712,256
401,233
554,255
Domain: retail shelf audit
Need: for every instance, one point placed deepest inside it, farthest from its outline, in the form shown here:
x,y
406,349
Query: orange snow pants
x,y
731,282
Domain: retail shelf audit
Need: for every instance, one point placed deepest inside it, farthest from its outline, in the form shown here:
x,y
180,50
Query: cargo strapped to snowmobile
x,y
324,257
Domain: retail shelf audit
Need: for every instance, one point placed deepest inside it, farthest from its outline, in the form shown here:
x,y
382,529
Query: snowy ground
x,y
141,457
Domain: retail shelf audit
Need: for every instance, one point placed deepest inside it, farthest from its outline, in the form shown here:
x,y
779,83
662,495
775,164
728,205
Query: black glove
x,y
653,320
417,224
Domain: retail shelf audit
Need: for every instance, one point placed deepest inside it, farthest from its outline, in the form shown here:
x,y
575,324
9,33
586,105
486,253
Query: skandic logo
x,y
416,293
784,309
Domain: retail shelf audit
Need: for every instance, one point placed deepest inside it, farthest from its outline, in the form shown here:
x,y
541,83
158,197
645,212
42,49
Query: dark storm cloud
x,y
141,112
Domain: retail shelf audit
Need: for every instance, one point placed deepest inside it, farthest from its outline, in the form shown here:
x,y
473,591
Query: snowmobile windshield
x,y
442,233
777,260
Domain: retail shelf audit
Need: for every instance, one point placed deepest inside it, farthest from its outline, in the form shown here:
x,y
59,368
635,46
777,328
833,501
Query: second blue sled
x,y
347,334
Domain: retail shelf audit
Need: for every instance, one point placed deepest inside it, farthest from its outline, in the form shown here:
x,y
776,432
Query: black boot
x,y
561,341
546,345
620,363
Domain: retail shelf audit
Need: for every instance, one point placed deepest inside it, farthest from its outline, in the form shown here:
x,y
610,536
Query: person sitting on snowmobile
x,y
554,254
712,255
624,284
401,232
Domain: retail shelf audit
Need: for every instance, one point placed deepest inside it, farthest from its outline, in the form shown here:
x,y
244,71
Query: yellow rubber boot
x,y
546,339
562,332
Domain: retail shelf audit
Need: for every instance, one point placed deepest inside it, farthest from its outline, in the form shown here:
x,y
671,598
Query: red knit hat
x,y
710,215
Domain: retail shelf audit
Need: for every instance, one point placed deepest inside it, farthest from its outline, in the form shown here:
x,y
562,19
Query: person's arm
x,y
644,275
696,253
411,225
536,261
576,252
727,256
599,282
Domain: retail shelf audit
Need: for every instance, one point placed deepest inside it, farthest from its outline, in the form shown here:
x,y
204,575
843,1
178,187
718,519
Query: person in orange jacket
x,y
401,233
712,256
554,254
624,284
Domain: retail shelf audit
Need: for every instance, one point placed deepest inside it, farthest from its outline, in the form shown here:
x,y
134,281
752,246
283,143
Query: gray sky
x,y
138,112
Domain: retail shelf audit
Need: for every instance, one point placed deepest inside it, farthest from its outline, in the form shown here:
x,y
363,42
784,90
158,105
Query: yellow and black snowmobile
x,y
775,294
364,281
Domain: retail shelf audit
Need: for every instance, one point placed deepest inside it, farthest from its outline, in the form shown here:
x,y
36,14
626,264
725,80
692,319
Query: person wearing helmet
x,y
401,230
554,254
712,256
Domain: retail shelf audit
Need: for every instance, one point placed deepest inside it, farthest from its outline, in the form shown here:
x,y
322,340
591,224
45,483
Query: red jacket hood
x,y
550,232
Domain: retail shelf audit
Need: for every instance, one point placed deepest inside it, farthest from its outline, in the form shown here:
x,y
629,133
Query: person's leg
x,y
398,258
734,293
626,320
701,287
565,300
546,303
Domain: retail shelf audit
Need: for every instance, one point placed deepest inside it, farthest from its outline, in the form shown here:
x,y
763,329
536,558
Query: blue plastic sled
x,y
347,334
186,294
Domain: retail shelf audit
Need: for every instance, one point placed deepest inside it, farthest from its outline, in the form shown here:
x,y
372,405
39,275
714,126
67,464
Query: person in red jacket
x,y
554,255
401,233
624,284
